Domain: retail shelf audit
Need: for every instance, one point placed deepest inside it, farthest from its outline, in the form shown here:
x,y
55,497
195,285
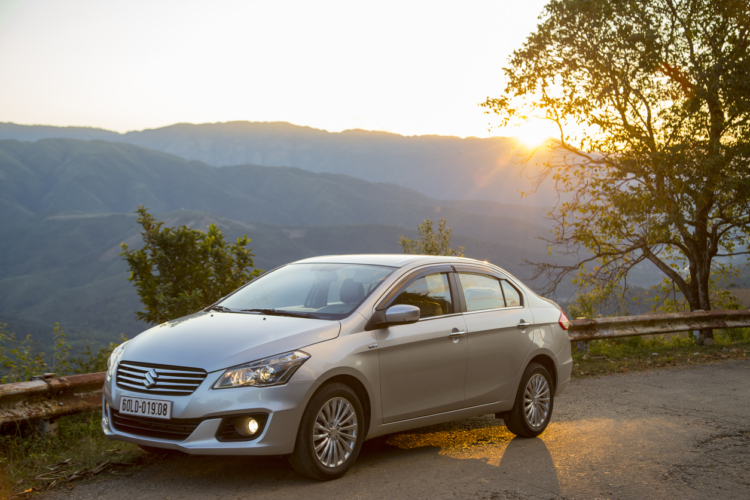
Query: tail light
x,y
563,321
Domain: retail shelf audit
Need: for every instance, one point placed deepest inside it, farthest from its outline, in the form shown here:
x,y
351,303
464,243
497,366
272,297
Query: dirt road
x,y
679,433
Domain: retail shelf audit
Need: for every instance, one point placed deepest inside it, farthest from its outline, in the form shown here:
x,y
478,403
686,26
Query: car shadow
x,y
476,450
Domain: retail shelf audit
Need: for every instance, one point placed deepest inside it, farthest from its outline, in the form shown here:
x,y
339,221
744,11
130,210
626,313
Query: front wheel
x,y
534,401
330,434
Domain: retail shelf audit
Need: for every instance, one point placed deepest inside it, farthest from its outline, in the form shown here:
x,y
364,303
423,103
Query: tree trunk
x,y
698,296
706,336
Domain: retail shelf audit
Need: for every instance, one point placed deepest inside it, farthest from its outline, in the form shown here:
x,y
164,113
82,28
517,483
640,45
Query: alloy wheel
x,y
536,401
335,432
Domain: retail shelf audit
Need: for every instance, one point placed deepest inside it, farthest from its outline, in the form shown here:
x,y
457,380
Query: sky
x,y
408,67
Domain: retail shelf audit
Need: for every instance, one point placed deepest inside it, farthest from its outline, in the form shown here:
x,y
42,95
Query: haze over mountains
x,y
67,205
438,166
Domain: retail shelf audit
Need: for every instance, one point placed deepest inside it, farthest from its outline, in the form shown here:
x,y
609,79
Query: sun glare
x,y
535,132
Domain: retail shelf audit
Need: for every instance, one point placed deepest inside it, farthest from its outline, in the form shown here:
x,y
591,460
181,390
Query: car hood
x,y
216,340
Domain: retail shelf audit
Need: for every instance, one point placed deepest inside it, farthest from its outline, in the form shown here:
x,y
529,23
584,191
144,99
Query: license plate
x,y
151,408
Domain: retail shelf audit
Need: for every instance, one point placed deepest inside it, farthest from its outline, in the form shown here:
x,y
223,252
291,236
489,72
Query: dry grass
x,y
32,462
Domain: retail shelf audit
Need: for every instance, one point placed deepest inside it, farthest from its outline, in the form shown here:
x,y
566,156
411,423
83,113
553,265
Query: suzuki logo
x,y
151,377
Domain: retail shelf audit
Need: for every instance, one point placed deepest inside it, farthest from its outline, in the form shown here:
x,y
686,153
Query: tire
x,y
530,424
340,431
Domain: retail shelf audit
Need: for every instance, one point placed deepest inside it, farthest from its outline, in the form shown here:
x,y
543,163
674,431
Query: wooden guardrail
x,y
48,399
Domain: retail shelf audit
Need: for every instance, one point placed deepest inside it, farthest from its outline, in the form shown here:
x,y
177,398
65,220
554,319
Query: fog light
x,y
246,426
252,426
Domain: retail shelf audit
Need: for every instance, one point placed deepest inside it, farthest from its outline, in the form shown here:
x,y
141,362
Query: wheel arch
x,y
359,389
547,362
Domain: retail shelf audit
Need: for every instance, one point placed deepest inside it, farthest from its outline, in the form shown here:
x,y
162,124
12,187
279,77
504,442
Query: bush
x,y
20,360
180,271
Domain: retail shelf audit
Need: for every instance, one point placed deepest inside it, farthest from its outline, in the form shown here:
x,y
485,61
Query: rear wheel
x,y
330,434
534,401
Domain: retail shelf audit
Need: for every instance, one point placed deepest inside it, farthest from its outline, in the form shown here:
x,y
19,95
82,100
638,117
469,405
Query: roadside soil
x,y
681,433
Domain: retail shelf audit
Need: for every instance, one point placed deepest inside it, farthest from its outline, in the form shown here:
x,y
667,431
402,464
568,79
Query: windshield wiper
x,y
220,308
277,312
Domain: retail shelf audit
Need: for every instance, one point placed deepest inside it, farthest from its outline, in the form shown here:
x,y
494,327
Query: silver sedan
x,y
313,358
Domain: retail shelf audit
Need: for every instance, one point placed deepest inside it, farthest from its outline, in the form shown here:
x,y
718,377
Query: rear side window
x,y
481,292
431,294
512,296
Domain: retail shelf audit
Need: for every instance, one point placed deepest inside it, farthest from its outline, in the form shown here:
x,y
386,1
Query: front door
x,y
423,364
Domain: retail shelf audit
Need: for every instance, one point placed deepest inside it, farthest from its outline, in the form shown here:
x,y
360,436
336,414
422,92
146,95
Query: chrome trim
x,y
496,309
439,317
158,380
137,370
142,388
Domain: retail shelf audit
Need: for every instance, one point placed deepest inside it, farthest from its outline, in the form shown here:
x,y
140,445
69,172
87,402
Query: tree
x,y
651,99
180,271
430,243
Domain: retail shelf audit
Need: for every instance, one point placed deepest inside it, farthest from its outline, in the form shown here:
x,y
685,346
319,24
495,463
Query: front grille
x,y
176,429
168,380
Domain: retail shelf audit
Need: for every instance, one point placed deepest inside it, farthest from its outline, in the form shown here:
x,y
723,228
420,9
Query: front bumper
x,y
284,406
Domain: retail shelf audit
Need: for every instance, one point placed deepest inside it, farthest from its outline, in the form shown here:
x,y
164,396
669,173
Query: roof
x,y
392,260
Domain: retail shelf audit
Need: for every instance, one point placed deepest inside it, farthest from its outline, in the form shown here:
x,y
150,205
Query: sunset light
x,y
506,242
535,132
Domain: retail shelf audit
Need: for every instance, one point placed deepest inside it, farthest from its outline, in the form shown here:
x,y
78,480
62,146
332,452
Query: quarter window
x,y
481,292
431,294
512,296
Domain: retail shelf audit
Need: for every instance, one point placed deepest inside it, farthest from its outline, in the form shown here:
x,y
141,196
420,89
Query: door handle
x,y
456,334
523,324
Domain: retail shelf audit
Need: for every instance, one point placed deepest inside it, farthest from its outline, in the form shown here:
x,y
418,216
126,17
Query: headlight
x,y
275,370
114,358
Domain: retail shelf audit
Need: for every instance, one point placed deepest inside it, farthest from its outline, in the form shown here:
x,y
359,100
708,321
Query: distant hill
x,y
96,177
67,205
442,167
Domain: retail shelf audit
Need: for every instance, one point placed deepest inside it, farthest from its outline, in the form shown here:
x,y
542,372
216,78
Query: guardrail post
x,y
46,426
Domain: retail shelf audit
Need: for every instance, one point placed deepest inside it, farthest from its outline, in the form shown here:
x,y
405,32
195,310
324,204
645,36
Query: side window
x,y
481,292
431,294
512,296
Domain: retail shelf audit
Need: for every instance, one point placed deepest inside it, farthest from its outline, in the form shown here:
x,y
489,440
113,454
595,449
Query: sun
x,y
534,132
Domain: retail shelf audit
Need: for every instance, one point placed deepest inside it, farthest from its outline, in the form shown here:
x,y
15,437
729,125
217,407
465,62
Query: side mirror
x,y
400,314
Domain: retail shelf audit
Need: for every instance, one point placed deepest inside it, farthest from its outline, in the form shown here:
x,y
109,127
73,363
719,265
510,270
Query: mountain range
x,y
441,167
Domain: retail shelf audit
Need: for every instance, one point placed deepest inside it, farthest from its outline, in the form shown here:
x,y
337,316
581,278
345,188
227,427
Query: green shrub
x,y
20,360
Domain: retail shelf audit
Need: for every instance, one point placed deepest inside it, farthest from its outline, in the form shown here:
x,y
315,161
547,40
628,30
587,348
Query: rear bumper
x,y
284,406
564,362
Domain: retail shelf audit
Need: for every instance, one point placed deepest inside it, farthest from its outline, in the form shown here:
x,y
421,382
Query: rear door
x,y
423,365
498,340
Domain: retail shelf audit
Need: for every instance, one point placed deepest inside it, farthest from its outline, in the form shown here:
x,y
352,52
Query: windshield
x,y
325,291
